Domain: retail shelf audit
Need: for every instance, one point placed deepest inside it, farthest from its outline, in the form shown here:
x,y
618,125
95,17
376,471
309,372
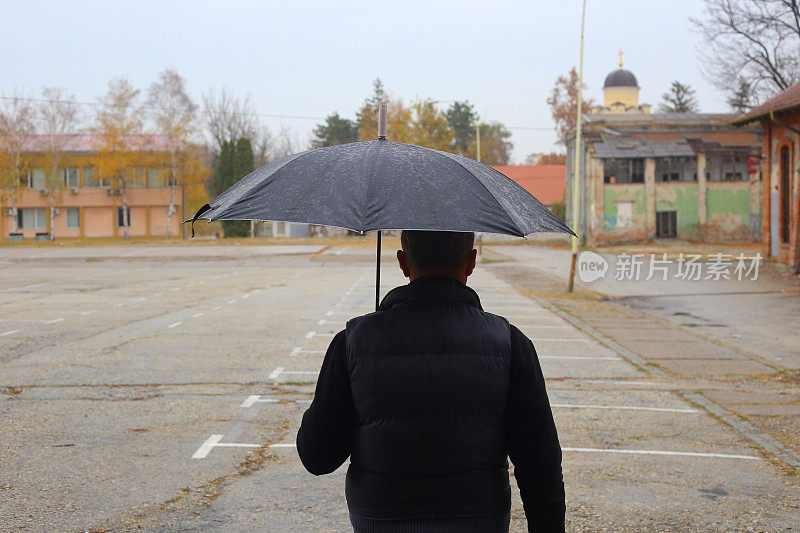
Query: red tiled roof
x,y
786,100
546,182
91,142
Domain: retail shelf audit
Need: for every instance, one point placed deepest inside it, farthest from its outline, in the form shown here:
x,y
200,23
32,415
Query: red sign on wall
x,y
752,164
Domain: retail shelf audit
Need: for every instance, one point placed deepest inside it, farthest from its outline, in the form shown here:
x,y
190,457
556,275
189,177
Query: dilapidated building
x,y
780,119
678,175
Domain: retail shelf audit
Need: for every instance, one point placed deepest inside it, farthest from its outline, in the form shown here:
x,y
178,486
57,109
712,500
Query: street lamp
x,y
577,173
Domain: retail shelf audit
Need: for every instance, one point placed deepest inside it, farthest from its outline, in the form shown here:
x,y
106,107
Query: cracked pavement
x,y
126,364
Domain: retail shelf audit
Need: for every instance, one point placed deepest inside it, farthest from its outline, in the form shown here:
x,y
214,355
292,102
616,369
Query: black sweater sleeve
x,y
532,439
325,436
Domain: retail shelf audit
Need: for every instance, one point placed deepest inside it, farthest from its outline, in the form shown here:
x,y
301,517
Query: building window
x,y
727,167
36,179
623,171
89,179
676,169
120,217
73,218
35,219
138,177
70,176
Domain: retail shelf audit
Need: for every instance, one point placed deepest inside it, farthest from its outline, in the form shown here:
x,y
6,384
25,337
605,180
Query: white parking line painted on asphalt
x,y
197,315
546,339
661,452
301,372
214,442
216,308
329,313
339,252
580,357
283,445
54,321
253,398
276,373
89,312
9,332
543,326
256,398
176,324
245,296
311,334
296,350
232,301
119,304
624,408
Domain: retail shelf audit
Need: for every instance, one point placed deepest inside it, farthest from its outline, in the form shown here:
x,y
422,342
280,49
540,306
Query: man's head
x,y
437,253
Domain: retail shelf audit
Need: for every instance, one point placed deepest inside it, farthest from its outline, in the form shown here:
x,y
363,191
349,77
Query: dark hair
x,y
436,250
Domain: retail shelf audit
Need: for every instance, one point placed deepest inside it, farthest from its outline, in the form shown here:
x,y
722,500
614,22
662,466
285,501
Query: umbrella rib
x,y
501,206
311,187
372,161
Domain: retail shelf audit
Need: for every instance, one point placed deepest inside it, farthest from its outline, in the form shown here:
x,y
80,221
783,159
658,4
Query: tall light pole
x,y
577,174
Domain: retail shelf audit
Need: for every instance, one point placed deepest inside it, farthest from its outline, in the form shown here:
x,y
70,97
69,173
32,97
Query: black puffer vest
x,y
429,374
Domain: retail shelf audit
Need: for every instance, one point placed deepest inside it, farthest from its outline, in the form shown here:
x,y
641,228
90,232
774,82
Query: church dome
x,y
620,78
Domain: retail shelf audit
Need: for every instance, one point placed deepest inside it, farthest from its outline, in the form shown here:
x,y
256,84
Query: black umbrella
x,y
382,185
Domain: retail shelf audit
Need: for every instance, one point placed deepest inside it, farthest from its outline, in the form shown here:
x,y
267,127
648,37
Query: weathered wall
x,y
624,213
682,198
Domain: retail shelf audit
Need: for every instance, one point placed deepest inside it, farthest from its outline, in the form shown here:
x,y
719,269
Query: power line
x,y
206,113
150,108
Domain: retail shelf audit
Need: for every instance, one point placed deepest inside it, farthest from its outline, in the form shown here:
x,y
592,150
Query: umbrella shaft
x,y
378,274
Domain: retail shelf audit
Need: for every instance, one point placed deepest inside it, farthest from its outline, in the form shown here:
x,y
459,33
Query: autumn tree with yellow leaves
x,y
174,115
120,123
58,118
17,123
422,123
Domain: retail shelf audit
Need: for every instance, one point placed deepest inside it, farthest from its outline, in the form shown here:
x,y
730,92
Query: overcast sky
x,y
313,58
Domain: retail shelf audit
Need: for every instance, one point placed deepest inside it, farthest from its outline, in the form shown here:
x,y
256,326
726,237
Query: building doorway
x,y
784,192
666,224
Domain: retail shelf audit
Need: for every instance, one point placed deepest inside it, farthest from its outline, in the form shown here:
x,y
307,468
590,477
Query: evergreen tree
x,y
336,130
462,120
240,163
235,161
740,98
679,98
220,181
243,163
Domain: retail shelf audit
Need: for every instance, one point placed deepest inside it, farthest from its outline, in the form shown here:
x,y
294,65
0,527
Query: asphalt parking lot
x,y
156,389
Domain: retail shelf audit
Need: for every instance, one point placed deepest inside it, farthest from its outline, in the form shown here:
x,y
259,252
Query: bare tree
x,y
119,121
58,118
229,118
757,41
174,114
17,123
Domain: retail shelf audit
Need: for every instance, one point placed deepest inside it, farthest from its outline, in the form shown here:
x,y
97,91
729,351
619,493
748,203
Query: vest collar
x,y
431,288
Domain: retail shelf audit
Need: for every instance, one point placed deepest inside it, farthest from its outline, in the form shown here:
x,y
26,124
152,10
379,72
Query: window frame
x,y
35,210
77,212
120,219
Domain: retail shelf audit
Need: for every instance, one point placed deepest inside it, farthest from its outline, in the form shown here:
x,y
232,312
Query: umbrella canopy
x,y
380,185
